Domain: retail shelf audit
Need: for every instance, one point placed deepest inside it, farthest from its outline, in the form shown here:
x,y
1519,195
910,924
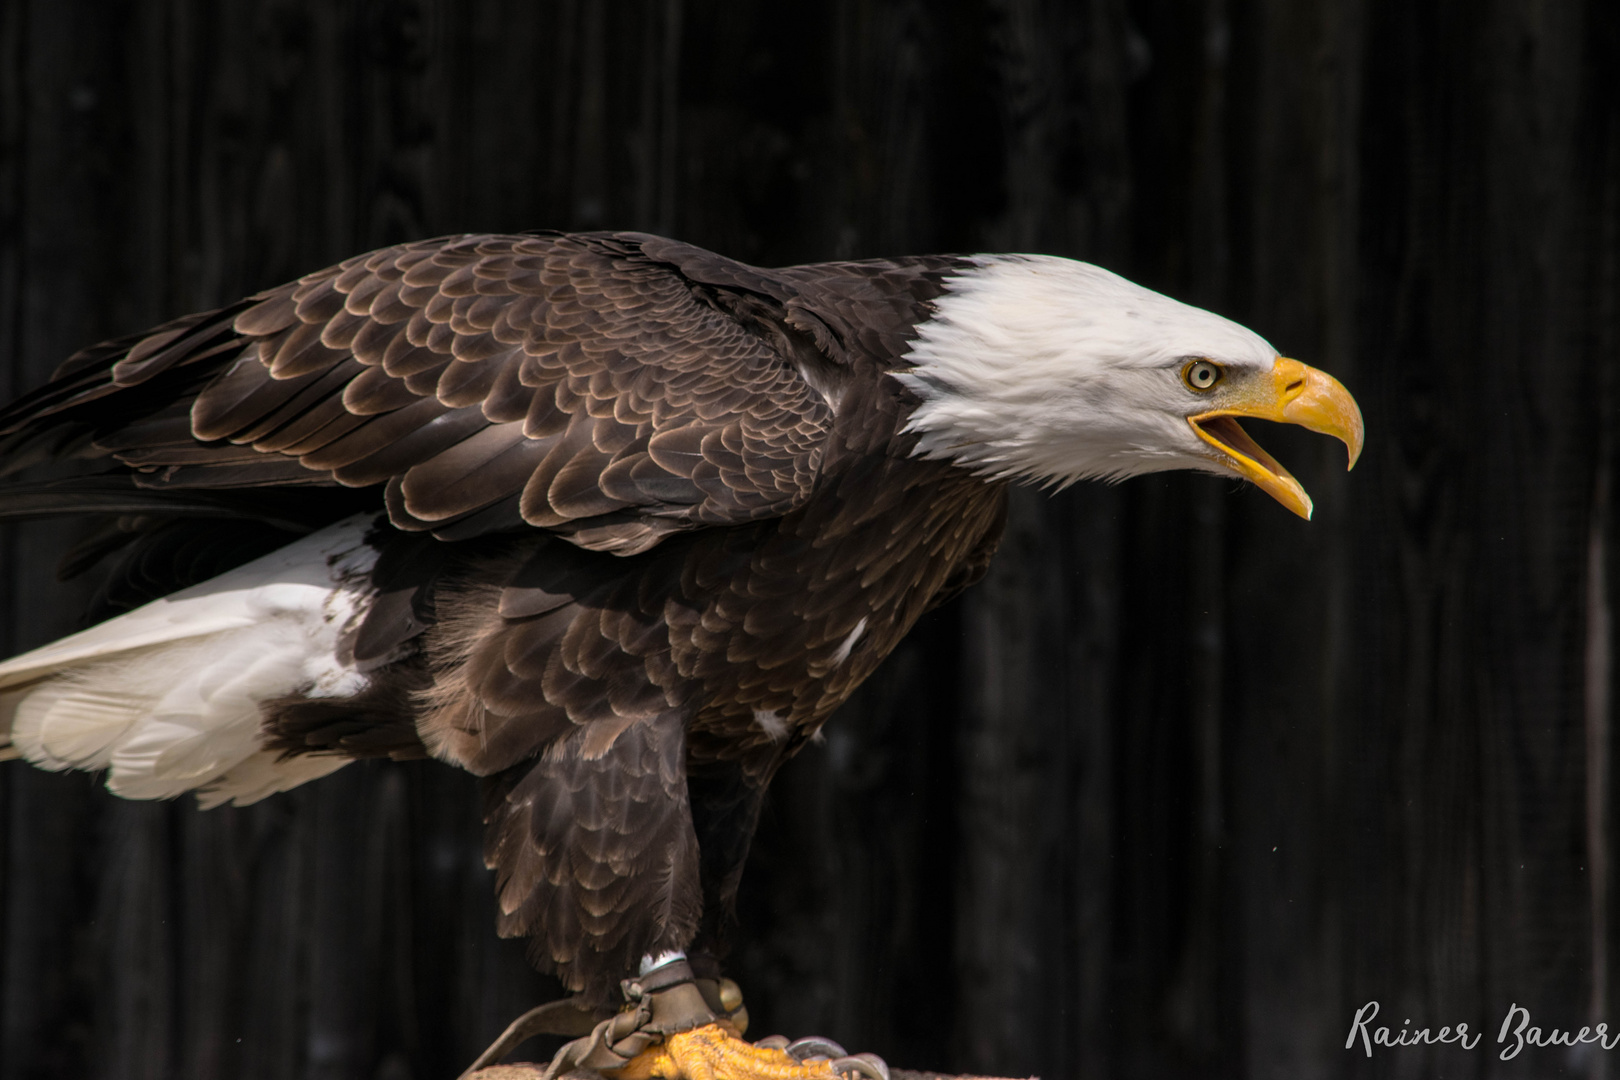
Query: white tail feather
x,y
262,774
166,697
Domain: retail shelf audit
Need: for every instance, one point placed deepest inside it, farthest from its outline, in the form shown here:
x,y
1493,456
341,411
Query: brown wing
x,y
574,383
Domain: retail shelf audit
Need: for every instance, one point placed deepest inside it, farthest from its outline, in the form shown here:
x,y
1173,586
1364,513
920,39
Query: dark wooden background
x,y
1178,788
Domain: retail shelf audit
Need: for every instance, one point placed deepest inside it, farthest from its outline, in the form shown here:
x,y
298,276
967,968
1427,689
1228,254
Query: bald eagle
x,y
610,521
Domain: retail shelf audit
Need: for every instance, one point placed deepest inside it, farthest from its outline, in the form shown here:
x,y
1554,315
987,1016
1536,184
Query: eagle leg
x,y
679,1027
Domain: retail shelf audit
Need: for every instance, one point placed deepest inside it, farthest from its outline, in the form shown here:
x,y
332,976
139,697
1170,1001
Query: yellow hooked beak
x,y
1291,394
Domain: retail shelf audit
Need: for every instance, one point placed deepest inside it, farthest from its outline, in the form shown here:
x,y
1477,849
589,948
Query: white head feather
x,y
1046,369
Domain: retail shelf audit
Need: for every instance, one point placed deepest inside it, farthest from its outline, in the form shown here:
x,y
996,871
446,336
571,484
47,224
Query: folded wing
x,y
572,383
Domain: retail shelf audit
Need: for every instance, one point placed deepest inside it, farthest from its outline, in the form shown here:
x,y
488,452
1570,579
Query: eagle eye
x,y
1201,375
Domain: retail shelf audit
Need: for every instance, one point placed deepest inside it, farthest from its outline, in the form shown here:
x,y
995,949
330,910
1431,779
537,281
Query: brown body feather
x,y
651,517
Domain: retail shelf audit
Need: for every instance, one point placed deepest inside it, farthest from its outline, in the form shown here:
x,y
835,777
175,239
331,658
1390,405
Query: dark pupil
x,y
1201,375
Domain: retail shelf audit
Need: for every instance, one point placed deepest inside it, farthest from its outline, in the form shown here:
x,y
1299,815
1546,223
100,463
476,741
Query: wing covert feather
x,y
604,391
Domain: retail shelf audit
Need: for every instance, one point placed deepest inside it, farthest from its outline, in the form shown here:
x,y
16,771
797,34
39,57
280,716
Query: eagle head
x,y
1048,370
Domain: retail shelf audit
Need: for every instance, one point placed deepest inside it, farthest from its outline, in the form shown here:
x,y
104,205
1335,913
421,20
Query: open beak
x,y
1292,394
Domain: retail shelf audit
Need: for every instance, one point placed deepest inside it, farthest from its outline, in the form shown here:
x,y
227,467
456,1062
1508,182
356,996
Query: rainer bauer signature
x,y
1516,1034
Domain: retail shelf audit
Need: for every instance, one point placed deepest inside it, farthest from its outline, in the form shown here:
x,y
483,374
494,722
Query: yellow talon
x,y
711,1052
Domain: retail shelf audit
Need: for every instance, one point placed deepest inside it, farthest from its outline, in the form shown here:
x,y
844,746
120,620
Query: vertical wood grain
x,y
1184,782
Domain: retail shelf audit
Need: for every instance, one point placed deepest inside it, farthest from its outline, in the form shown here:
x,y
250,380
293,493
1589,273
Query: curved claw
x,y
773,1042
868,1065
814,1046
